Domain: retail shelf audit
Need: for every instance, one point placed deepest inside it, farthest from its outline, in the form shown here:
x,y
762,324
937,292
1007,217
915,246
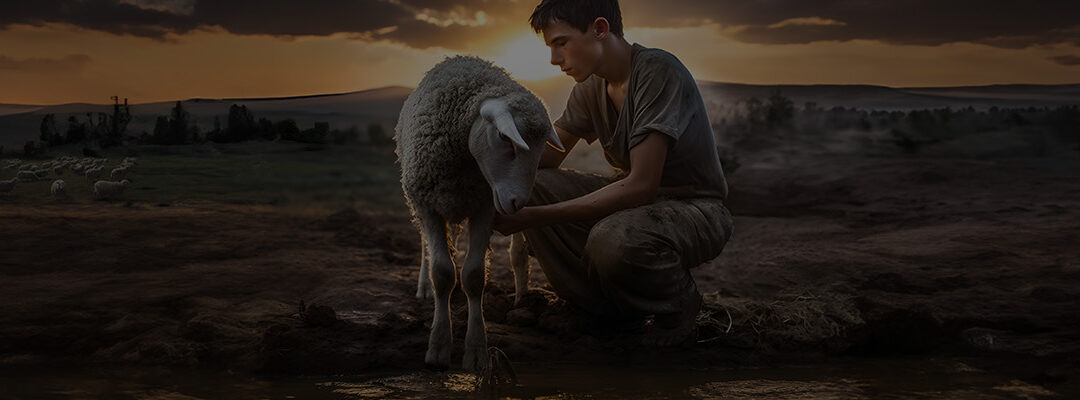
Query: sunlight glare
x,y
527,59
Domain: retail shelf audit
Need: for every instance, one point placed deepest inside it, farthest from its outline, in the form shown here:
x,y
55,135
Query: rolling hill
x,y
20,123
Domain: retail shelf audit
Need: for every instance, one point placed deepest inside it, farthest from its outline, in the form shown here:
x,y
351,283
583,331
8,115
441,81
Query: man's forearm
x,y
609,199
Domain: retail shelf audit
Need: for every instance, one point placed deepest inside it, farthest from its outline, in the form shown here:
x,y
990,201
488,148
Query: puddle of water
x,y
844,379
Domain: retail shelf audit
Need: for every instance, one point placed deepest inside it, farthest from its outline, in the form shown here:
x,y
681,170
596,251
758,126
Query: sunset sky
x,y
59,51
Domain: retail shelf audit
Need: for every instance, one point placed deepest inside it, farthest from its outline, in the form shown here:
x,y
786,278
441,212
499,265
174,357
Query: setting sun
x,y
527,59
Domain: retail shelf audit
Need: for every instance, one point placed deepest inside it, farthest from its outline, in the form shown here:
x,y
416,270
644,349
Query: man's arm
x,y
552,157
638,188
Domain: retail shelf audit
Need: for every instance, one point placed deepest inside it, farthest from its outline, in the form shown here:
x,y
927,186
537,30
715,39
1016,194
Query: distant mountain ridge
x,y
905,98
20,123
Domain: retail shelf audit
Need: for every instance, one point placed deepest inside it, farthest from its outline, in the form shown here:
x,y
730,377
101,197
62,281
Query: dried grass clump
x,y
786,321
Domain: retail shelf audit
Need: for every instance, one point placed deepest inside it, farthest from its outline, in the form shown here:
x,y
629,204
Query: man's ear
x,y
601,27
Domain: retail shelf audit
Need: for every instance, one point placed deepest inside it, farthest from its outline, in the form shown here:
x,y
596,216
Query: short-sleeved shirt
x,y
661,97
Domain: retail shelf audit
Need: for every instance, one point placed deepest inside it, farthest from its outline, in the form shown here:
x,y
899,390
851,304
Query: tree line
x,y
755,122
178,128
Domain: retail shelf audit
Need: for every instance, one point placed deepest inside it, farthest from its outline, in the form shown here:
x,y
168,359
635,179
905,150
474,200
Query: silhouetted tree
x,y
265,130
49,134
345,136
780,110
179,129
241,124
76,131
32,148
161,130
174,129
314,135
378,135
286,129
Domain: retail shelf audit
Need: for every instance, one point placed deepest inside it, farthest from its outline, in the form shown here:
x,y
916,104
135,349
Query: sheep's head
x,y
508,150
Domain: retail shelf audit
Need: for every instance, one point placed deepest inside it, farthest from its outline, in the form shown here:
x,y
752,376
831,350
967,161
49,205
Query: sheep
x,y
93,173
8,185
110,189
118,173
27,176
58,170
469,140
41,173
59,188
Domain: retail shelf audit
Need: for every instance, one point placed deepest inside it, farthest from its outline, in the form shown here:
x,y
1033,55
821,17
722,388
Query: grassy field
x,y
290,175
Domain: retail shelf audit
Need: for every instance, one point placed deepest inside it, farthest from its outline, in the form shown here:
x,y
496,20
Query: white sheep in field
x,y
94,173
110,189
118,173
59,188
469,140
58,170
27,176
41,173
8,185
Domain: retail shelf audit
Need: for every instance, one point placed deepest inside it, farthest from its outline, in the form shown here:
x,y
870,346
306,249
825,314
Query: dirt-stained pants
x,y
632,263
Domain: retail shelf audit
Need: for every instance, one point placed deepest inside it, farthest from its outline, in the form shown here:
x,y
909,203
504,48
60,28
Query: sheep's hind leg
x,y
473,280
519,263
441,269
423,282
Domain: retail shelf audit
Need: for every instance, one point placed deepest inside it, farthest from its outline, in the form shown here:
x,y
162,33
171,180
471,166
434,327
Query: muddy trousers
x,y
632,263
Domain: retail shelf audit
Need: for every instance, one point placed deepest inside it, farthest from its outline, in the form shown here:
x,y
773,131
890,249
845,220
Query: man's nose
x,y
556,59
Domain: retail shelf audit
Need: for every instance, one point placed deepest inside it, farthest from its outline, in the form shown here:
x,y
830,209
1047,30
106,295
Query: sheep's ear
x,y
553,141
496,111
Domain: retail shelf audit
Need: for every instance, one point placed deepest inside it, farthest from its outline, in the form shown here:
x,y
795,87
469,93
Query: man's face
x,y
576,53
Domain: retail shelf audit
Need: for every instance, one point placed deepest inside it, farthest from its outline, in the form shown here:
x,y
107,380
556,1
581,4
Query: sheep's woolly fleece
x,y
433,134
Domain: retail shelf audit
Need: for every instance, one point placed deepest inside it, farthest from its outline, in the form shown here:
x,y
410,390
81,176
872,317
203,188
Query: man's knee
x,y
618,245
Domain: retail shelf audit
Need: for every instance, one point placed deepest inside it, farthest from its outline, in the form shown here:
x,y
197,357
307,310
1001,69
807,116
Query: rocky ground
x,y
832,256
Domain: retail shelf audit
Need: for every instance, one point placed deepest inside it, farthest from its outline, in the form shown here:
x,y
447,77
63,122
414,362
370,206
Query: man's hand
x,y
640,187
513,223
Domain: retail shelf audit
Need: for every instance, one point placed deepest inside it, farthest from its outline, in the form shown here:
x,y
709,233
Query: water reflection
x,y
846,379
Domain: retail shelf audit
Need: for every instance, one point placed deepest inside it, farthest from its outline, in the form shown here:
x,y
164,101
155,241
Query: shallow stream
x,y
906,378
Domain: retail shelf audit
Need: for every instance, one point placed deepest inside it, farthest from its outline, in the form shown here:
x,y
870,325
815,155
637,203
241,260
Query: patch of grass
x,y
289,175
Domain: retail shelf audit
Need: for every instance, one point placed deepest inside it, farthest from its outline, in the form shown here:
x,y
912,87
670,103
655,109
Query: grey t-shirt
x,y
661,97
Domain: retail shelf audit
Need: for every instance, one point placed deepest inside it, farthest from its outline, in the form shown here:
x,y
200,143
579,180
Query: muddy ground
x,y
832,256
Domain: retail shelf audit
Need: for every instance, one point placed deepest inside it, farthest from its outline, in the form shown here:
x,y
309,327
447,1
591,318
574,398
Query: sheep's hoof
x,y
476,358
438,359
424,293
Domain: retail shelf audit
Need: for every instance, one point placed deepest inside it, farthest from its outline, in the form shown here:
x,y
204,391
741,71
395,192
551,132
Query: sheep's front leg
x,y
519,263
441,269
473,280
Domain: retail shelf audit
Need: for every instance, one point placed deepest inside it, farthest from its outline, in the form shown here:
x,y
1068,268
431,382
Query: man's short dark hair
x,y
579,14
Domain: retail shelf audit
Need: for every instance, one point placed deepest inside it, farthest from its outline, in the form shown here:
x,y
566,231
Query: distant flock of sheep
x,y
91,168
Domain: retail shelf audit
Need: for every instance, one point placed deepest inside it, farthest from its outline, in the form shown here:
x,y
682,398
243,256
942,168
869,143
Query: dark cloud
x,y
1066,60
465,24
417,23
102,15
71,64
299,18
998,23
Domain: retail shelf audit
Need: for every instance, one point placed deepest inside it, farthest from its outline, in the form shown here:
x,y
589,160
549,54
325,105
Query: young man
x,y
623,248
